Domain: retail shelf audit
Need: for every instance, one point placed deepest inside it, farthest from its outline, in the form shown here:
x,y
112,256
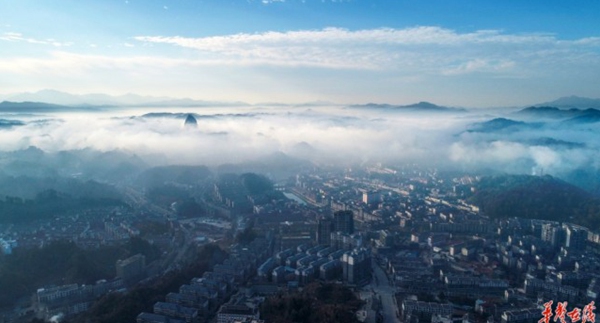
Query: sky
x,y
450,52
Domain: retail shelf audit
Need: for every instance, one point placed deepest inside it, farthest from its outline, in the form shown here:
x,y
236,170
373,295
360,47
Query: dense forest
x,y
537,197
61,262
317,302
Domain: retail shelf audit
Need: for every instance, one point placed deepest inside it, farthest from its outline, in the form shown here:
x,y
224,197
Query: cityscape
x,y
406,241
291,161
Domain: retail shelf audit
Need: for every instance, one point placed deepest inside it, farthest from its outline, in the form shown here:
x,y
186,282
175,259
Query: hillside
x,y
500,124
27,106
536,197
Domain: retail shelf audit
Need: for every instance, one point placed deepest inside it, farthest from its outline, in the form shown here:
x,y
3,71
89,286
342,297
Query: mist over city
x,y
525,140
290,161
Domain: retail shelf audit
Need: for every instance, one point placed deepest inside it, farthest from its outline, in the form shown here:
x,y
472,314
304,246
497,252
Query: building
x,y
575,237
229,313
264,271
424,310
188,314
293,234
132,268
525,315
344,222
324,228
6,247
371,197
189,300
330,270
341,240
554,234
155,318
356,266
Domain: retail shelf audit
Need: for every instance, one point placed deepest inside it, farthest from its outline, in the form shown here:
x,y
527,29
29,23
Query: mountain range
x,y
100,99
417,107
54,100
573,101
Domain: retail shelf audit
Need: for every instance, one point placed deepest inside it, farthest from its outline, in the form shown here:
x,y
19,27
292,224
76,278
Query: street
x,y
382,292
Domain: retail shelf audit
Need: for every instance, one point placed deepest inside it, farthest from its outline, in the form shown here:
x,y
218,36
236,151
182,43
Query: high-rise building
x,y
356,266
554,234
324,229
576,237
344,221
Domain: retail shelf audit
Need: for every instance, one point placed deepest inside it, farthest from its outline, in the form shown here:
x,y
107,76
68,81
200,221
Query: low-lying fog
x,y
466,140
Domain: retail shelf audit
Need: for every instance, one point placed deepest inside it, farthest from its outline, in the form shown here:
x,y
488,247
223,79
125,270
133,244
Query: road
x,y
385,291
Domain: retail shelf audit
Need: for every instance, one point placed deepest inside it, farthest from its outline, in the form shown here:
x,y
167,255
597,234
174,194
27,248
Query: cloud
x,y
422,49
383,64
414,51
481,66
520,151
335,133
18,37
84,63
331,135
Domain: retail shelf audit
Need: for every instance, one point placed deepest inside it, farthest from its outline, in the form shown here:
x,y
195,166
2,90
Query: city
x,y
293,161
405,240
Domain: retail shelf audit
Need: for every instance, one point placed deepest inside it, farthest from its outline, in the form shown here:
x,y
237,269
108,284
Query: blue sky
x,y
461,53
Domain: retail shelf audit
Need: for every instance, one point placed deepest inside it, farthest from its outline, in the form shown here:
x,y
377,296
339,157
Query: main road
x,y
385,291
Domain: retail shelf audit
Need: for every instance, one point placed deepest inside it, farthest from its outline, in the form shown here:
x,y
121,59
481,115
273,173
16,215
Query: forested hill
x,y
536,197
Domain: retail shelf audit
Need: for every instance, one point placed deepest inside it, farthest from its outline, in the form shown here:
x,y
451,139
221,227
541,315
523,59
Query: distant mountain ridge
x,y
570,116
416,107
499,124
99,99
27,106
54,97
573,101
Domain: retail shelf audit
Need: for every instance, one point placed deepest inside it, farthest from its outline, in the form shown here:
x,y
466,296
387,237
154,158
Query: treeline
x,y
537,197
115,307
61,262
317,302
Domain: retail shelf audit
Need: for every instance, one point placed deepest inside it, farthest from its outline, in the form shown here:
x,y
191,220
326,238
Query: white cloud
x,y
229,135
371,65
18,37
482,66
236,134
408,52
419,49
